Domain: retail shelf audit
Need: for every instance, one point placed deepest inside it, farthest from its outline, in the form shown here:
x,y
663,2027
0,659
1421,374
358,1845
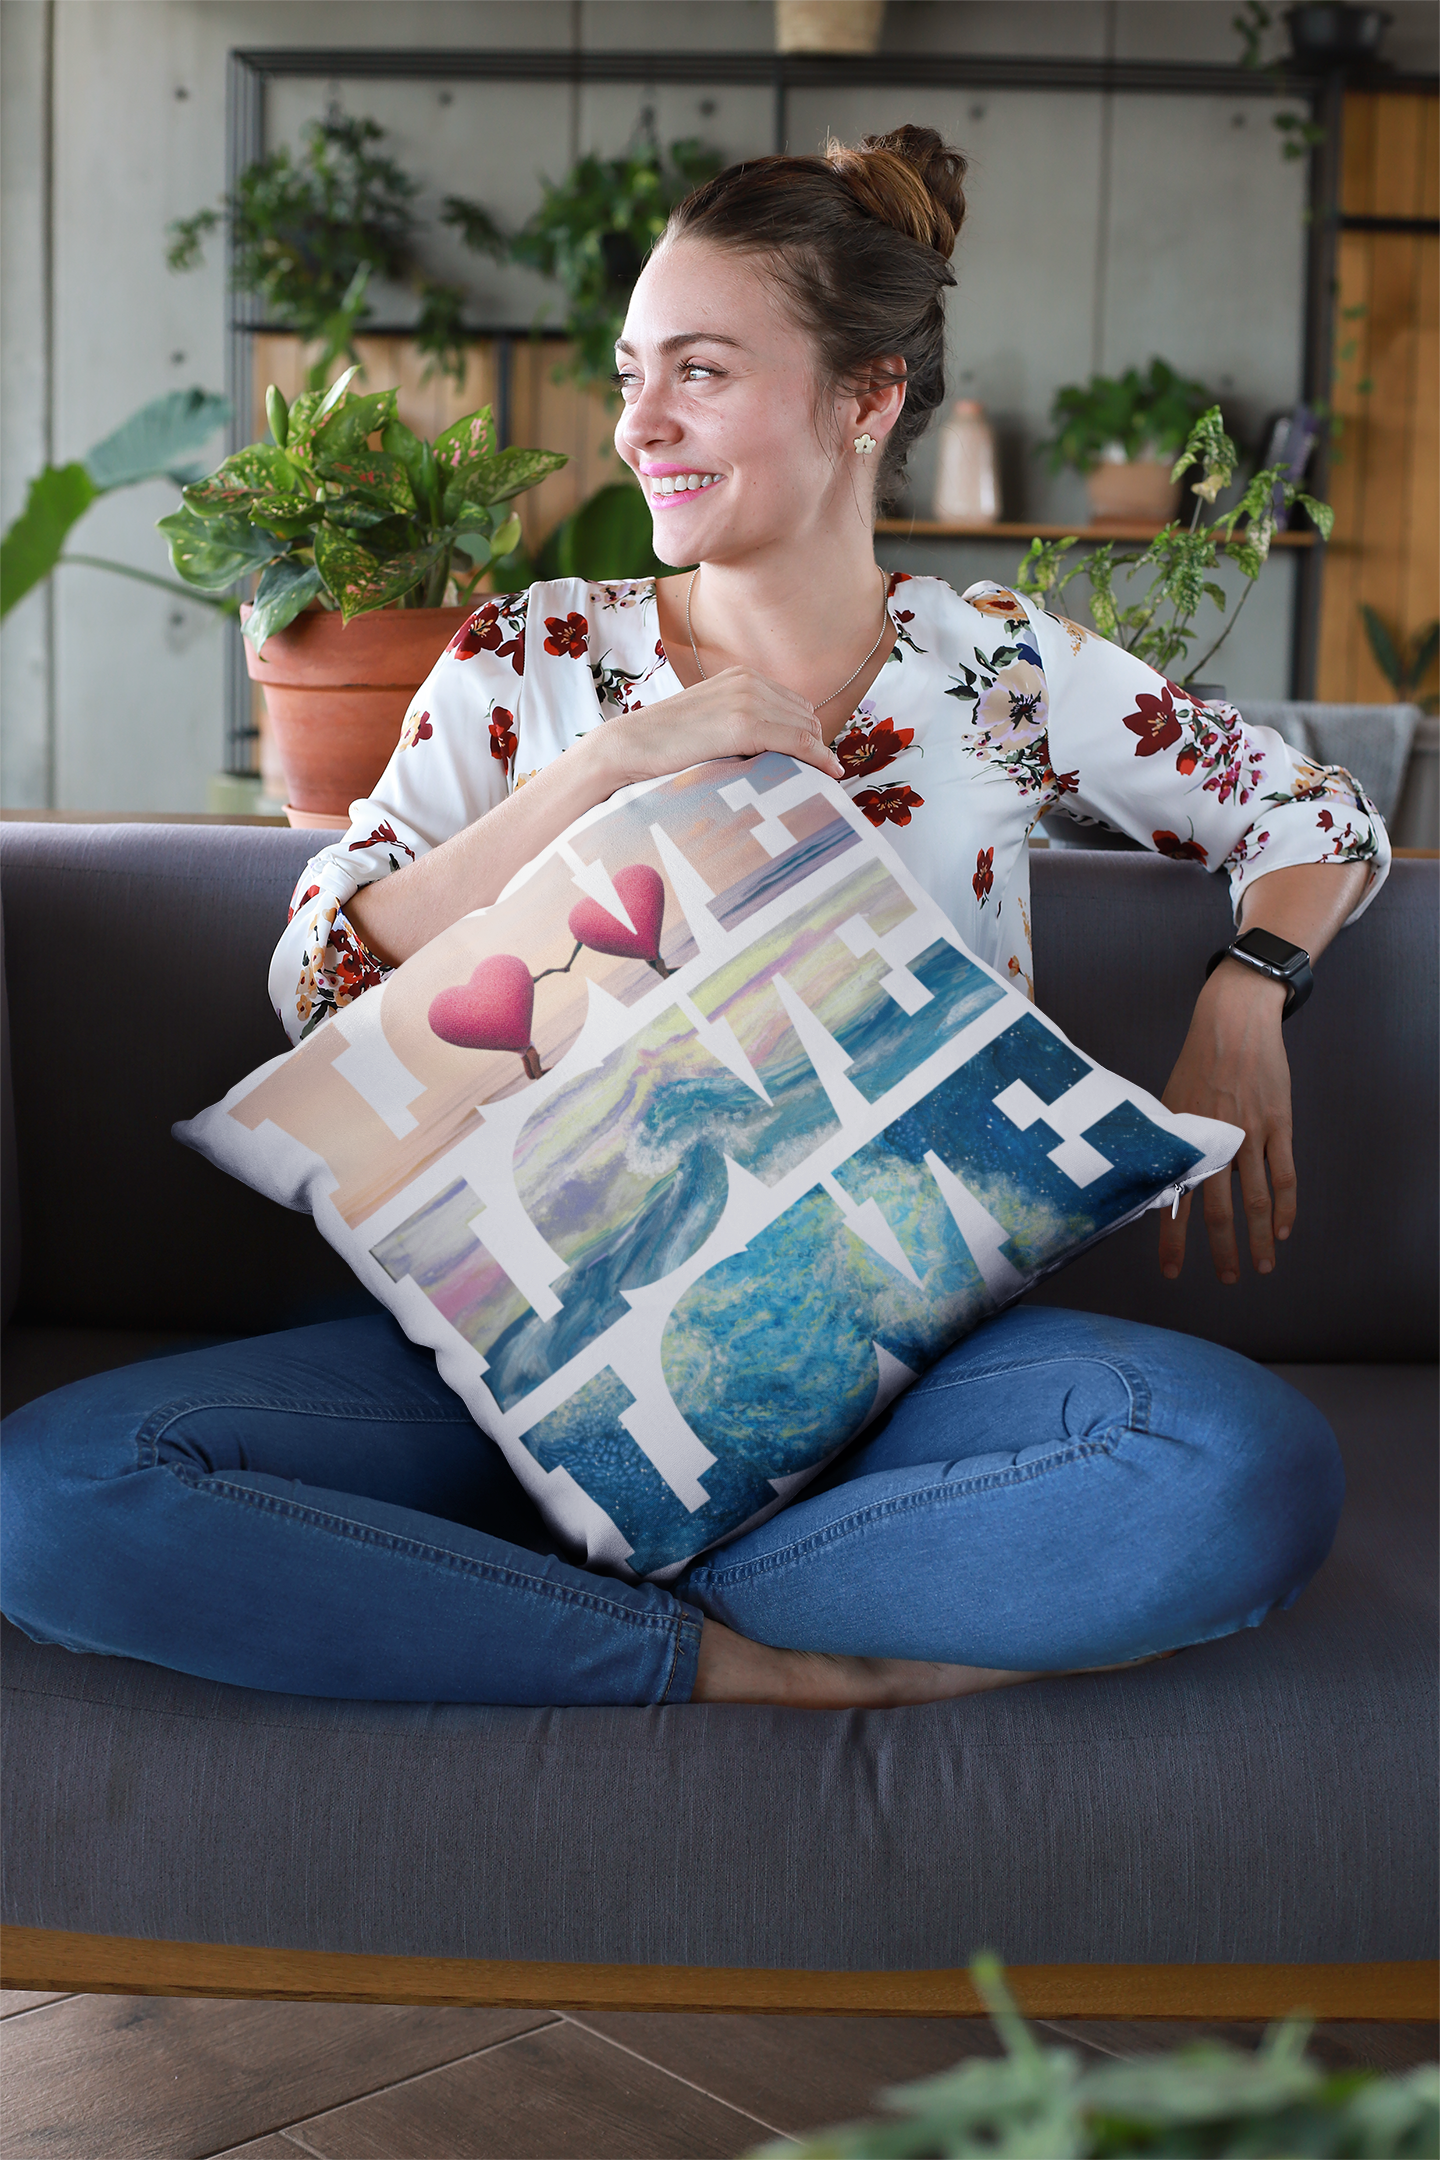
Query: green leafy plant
x,y
324,516
593,231
1298,135
1144,415
1044,2103
1160,624
309,232
153,444
1404,662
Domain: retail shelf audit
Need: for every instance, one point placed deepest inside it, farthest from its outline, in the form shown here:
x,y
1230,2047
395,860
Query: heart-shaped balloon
x,y
493,1011
643,892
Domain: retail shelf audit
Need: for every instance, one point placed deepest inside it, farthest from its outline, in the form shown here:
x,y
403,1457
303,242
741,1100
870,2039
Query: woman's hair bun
x,y
910,179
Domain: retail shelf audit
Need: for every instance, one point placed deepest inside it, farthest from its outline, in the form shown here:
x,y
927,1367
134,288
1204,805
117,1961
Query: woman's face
x,y
723,418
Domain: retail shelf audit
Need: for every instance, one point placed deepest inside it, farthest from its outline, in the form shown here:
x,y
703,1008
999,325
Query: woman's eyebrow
x,y
685,337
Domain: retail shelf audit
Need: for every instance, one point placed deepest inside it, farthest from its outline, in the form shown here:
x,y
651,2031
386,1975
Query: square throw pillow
x,y
694,1149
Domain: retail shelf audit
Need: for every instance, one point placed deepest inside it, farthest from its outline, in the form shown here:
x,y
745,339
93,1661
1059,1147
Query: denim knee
x,y
59,1457
1272,1466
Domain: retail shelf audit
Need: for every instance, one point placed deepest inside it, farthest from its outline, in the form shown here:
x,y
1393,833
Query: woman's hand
x,y
1233,1066
737,713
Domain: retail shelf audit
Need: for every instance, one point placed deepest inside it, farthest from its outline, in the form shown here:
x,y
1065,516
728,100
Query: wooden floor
x,y
134,2077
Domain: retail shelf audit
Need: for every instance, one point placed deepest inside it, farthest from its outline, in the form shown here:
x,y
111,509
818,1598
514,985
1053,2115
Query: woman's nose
x,y
649,417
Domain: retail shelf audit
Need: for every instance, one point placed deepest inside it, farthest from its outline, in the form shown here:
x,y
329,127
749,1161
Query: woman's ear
x,y
875,408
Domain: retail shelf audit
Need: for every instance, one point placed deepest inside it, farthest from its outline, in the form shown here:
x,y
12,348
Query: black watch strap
x,y
1272,956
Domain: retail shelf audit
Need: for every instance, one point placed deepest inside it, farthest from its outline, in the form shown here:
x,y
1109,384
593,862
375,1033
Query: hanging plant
x,y
309,232
594,229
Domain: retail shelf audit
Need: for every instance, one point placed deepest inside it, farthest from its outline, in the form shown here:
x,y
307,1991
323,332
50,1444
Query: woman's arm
x,y
1304,851
735,714
1233,1066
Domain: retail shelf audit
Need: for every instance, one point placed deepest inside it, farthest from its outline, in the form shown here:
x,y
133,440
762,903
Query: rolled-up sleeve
x,y
454,761
1190,779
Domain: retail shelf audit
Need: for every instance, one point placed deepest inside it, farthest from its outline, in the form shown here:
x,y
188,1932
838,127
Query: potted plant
x,y
595,227
155,443
347,513
1404,662
1160,623
308,233
1123,433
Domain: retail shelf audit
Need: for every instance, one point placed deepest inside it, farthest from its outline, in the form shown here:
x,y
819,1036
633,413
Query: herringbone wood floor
x,y
133,2077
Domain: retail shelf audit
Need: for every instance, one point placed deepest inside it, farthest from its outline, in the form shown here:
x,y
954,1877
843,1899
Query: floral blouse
x,y
987,714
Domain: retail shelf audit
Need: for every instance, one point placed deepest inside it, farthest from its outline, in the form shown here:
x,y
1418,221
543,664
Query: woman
x,y
314,1511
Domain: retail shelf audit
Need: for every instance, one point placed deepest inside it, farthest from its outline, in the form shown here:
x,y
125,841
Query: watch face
x,y
1274,951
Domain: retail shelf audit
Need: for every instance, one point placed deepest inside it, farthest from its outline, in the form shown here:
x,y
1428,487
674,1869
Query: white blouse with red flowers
x,y
987,714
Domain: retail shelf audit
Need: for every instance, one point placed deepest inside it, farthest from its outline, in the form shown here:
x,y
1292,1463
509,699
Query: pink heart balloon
x,y
493,1011
643,892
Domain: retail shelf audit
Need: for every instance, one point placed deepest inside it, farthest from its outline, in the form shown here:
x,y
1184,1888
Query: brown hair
x,y
862,239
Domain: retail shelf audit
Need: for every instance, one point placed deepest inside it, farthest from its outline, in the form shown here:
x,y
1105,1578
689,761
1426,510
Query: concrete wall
x,y
1102,230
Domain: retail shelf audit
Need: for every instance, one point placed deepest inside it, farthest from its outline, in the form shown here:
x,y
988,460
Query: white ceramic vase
x,y
967,481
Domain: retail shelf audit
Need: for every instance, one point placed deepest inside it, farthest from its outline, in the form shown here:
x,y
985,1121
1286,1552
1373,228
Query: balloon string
x,y
579,945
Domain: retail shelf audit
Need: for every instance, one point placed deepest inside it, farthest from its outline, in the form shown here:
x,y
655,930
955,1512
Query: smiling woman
x,y
783,349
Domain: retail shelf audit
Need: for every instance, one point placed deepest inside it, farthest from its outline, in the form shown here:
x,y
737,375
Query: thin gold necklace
x,y
884,626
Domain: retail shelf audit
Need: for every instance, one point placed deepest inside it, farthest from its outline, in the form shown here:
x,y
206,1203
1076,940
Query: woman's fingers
x,y
1281,1157
1220,1223
1172,1239
1268,1204
1256,1202
736,714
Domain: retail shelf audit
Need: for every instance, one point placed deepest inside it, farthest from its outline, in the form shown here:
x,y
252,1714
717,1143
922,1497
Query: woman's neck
x,y
802,614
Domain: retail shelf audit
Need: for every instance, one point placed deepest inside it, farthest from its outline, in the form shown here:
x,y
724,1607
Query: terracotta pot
x,y
337,697
1140,492
828,26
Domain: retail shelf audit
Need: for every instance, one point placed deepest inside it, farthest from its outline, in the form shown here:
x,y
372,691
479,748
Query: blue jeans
x,y
314,1512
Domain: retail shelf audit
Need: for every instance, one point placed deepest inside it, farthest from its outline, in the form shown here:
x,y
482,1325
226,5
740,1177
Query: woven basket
x,y
828,26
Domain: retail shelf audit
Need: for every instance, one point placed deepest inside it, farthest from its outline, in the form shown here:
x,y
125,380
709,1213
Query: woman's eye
x,y
696,370
625,379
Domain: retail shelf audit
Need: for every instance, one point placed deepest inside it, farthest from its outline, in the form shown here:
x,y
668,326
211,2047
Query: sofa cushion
x,y
1266,1798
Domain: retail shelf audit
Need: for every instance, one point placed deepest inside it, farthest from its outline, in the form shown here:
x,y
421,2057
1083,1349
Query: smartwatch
x,y
1272,956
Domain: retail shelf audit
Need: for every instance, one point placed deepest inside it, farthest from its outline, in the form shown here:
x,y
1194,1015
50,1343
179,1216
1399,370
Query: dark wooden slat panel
x,y
1357,159
1399,186
797,2072
132,2077
554,2094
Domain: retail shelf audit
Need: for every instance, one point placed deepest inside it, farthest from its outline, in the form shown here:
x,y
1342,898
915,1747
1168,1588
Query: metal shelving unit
x,y
250,73
1019,529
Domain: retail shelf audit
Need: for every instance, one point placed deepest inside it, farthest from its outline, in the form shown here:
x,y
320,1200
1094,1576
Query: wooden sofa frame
x,y
51,1961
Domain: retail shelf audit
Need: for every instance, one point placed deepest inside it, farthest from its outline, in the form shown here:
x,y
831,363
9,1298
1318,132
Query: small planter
x,y
1138,492
337,697
1329,35
828,26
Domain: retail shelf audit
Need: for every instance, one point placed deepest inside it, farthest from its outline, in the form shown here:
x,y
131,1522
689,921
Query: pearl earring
x,y
864,444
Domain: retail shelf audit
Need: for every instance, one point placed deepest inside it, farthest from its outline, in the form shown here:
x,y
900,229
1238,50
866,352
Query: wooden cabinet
x,y
1385,469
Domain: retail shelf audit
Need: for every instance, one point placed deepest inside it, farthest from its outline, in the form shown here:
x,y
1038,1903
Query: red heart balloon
x,y
643,892
493,1011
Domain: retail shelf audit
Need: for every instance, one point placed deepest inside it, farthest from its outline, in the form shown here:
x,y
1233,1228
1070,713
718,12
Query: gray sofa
x,y
1265,1801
